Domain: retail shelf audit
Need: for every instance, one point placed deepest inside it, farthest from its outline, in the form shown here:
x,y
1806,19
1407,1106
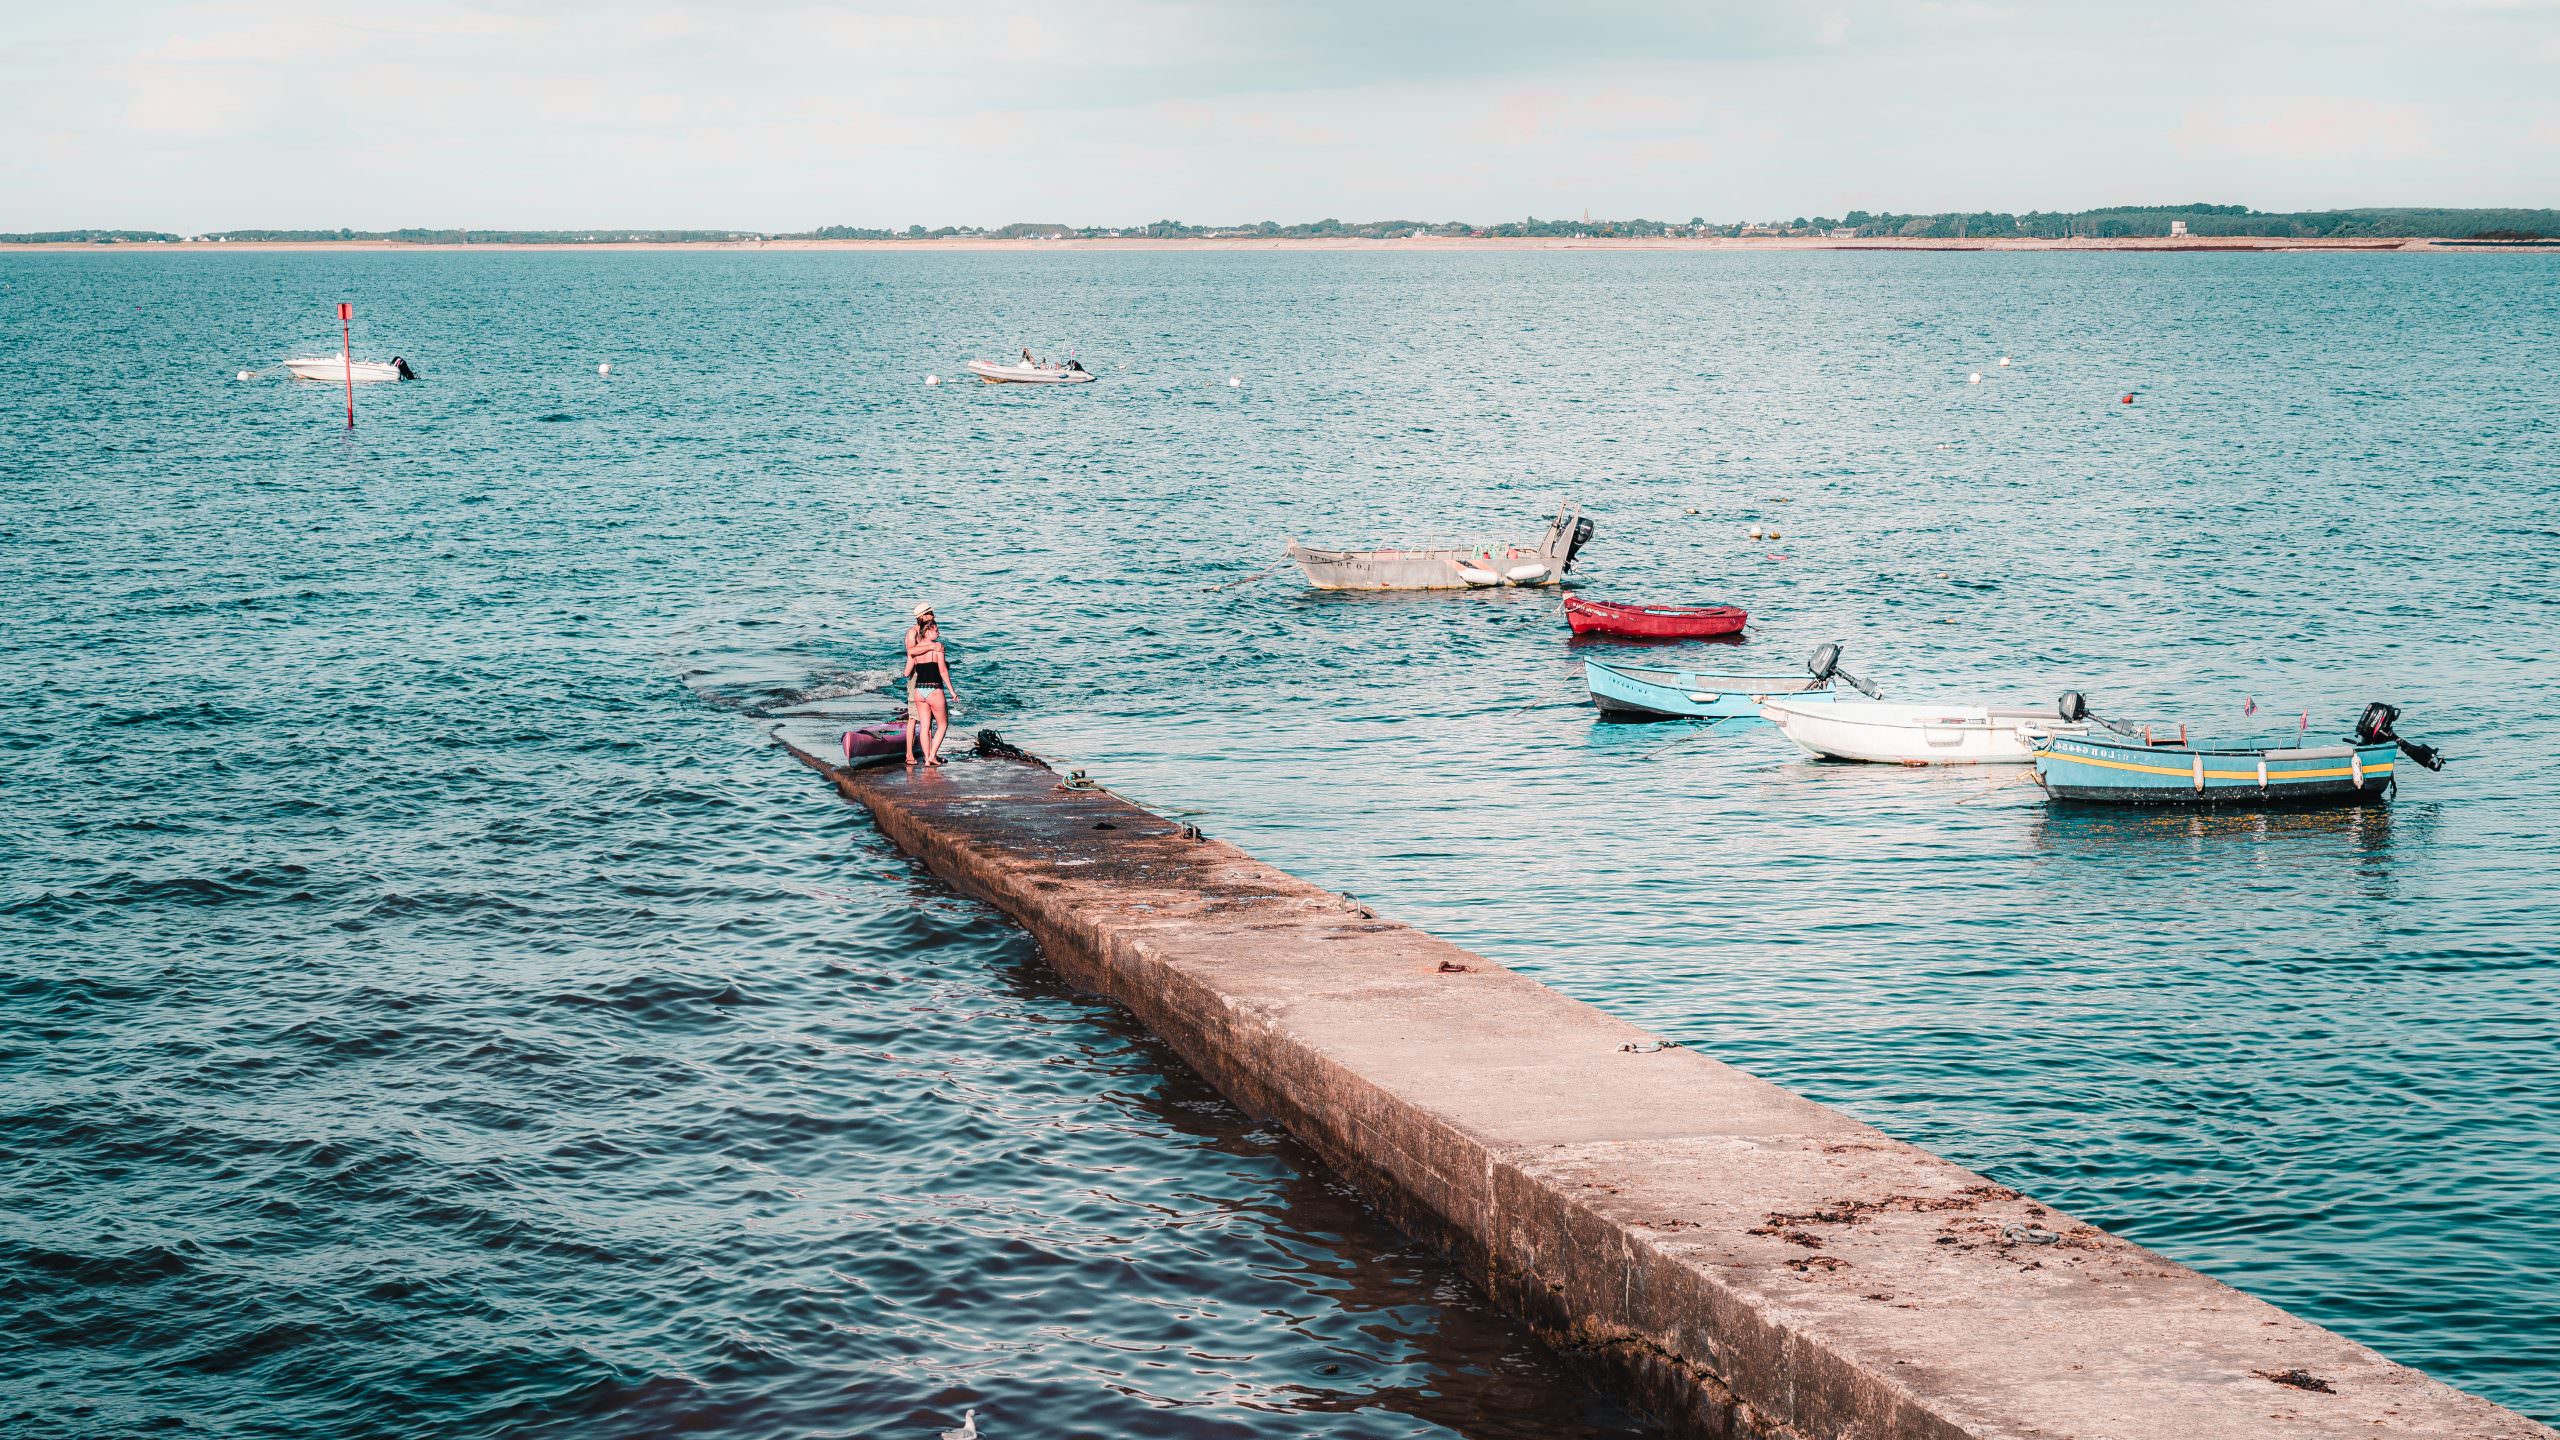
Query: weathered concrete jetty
x,y
1733,1258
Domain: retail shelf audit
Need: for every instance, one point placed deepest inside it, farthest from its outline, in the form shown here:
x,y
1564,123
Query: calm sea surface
x,y
428,1005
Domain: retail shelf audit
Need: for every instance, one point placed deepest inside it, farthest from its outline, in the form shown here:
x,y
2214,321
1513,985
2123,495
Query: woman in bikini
x,y
929,692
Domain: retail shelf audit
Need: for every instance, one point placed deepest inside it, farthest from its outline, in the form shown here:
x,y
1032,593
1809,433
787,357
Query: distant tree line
x,y
2136,221
89,237
2113,223
409,236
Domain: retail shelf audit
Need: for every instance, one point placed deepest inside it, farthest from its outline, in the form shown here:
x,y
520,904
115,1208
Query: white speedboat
x,y
338,369
1895,734
998,372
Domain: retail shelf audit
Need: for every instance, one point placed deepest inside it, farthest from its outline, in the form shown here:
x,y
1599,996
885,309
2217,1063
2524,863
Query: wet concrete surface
x,y
1732,1258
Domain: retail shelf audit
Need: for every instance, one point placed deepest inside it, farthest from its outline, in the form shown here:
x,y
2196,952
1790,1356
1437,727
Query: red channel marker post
x,y
347,355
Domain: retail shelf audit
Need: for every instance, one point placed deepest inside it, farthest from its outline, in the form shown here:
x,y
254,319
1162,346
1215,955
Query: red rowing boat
x,y
1651,622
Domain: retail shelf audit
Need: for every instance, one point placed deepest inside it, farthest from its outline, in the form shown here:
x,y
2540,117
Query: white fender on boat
x,y
1475,576
1524,574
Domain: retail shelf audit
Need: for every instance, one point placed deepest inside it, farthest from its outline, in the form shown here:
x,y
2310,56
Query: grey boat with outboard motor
x,y
1484,567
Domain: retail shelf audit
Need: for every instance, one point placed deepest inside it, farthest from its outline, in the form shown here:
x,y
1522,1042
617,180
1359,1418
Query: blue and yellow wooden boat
x,y
2144,769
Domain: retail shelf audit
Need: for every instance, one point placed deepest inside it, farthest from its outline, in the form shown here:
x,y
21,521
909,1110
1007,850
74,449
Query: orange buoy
x,y
2128,399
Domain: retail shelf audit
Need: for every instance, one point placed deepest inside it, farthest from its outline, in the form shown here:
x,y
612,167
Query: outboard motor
x,y
2374,728
2073,707
401,368
1574,542
1824,662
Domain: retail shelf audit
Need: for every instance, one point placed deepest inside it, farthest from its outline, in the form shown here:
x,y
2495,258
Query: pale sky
x,y
785,116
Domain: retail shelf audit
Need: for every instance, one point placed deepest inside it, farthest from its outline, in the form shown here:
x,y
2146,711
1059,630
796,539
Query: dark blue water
x,y
430,1006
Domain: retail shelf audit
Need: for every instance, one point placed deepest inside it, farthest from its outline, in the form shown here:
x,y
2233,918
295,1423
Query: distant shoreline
x,y
2185,243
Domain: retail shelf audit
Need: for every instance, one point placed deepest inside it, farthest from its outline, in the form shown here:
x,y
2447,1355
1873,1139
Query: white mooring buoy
x,y
933,379
1974,379
604,367
2004,362
244,374
1235,382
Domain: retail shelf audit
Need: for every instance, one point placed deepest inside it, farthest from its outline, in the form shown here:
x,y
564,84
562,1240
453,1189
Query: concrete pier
x,y
1732,1258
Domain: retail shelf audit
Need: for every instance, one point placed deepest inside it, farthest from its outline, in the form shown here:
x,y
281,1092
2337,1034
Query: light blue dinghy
x,y
2143,769
1630,692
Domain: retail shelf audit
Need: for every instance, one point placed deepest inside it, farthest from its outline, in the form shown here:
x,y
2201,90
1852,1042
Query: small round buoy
x,y
604,367
1974,379
1234,383
1756,535
1774,535
1693,509
933,379
244,374
2004,362
2128,399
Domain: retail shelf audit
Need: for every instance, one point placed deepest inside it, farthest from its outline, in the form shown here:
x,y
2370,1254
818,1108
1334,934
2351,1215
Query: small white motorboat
x,y
1892,734
338,369
998,372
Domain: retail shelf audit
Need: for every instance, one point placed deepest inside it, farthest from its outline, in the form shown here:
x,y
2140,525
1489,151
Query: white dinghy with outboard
x,y
338,369
1890,734
1001,372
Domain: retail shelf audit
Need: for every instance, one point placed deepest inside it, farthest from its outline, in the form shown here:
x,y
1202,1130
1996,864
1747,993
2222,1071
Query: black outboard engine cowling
x,y
2073,707
1824,663
1582,529
2374,728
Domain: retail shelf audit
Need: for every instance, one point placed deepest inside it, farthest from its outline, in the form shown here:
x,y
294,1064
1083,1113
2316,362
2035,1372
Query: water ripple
x,y
430,1005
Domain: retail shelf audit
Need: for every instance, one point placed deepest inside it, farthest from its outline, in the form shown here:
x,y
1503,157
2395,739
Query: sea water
x,y
428,1003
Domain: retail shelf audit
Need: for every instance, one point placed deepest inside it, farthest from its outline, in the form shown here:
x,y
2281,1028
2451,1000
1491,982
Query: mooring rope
x,y
1710,724
1249,579
1992,790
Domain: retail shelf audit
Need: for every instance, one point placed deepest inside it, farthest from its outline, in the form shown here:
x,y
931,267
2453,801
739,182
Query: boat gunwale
x,y
1689,679
1844,713
1665,612
2337,751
